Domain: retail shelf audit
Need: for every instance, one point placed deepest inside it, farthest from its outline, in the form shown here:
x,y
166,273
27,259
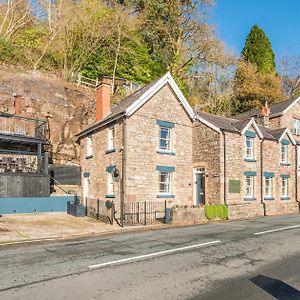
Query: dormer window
x,y
249,148
283,153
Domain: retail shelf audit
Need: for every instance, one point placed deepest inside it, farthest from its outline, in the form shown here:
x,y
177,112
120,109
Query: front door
x,y
199,186
86,189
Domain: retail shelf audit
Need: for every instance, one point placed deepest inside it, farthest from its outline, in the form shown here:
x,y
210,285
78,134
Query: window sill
x,y
110,151
89,156
250,159
285,164
269,198
285,198
165,196
166,152
249,199
109,196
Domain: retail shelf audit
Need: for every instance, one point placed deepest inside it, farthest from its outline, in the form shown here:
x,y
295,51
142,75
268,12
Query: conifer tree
x,y
258,51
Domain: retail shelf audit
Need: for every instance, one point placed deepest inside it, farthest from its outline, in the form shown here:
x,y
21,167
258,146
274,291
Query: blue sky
x,y
279,19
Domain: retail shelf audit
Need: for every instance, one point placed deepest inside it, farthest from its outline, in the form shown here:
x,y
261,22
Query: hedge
x,y
216,211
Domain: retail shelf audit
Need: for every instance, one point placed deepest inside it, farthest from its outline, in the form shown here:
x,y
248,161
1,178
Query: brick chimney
x,y
103,100
265,115
18,105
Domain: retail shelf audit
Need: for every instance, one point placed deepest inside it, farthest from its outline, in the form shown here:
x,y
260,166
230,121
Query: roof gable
x,y
149,93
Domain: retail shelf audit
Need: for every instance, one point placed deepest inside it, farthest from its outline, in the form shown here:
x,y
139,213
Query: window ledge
x,y
89,156
285,164
250,199
250,159
110,196
165,196
269,198
285,198
166,152
110,151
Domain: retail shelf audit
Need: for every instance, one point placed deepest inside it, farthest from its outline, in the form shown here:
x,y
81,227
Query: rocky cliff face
x,y
66,107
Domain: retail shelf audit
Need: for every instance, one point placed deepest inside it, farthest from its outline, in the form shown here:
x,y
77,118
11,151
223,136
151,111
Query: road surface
x,y
253,259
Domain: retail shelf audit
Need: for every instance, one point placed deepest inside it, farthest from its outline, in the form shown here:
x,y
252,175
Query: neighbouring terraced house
x,y
152,146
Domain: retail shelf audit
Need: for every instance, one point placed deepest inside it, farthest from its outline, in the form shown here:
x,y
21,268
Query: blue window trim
x,y
285,176
165,152
165,124
250,173
250,134
269,174
165,196
250,160
285,164
110,151
89,156
250,199
110,196
110,168
285,142
269,198
165,169
285,198
86,174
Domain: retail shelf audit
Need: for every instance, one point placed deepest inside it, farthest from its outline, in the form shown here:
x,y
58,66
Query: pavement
x,y
250,259
20,228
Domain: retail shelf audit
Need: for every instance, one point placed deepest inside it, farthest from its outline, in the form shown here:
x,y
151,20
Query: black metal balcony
x,y
17,129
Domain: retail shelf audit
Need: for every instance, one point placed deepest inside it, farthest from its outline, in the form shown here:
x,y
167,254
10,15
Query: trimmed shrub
x,y
216,211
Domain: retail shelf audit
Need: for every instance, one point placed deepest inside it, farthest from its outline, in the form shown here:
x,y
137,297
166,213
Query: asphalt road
x,y
257,259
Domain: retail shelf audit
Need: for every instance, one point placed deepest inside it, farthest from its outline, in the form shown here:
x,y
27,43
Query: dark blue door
x,y
200,186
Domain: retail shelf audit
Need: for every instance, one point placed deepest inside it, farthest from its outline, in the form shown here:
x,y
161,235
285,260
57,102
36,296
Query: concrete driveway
x,y
30,227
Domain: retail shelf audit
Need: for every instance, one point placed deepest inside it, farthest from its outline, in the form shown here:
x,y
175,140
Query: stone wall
x,y
206,154
188,215
246,210
142,158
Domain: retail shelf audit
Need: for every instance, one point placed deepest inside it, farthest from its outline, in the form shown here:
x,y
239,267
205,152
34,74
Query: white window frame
x,y
168,139
89,146
249,187
249,150
167,183
284,187
296,126
110,184
268,187
111,138
283,154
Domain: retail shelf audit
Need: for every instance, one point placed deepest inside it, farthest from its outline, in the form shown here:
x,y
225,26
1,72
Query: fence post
x,y
138,212
145,213
86,206
112,214
98,212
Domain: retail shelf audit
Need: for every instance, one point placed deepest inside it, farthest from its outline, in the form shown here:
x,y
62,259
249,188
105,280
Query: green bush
x,y
6,50
216,211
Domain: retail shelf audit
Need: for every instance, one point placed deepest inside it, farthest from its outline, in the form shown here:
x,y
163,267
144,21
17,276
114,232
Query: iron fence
x,y
144,212
22,126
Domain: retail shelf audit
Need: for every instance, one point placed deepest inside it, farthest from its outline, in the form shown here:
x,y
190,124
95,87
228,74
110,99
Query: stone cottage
x,y
151,146
141,148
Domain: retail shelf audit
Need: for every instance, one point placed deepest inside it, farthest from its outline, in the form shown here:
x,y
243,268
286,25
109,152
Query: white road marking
x,y
145,256
277,229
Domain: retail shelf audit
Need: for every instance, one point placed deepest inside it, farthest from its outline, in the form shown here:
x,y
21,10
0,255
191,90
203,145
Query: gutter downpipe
x,y
122,198
296,172
225,170
262,177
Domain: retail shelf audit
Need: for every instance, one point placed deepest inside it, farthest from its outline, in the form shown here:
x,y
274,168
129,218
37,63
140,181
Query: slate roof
x,y
119,109
233,125
276,109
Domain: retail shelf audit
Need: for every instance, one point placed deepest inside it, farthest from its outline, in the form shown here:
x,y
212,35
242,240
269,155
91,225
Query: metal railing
x,y
22,126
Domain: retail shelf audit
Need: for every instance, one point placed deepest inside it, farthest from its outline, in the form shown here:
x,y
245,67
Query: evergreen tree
x,y
258,51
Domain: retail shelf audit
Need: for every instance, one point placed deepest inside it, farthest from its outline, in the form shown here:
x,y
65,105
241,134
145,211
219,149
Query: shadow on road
x,y
276,288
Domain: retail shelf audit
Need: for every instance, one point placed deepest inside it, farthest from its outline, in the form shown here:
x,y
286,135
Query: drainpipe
x,y
262,176
225,171
122,196
296,172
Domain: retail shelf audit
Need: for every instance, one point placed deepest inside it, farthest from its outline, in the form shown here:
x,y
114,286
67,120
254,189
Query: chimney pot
x,y
103,100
